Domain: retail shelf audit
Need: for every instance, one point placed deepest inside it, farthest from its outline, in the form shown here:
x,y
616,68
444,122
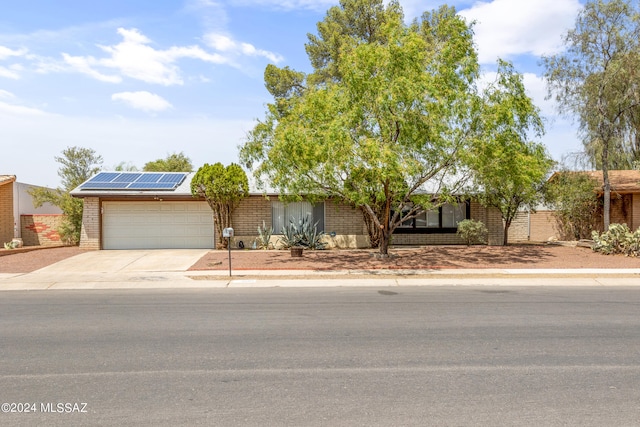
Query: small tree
x,y
509,170
222,188
574,198
77,165
176,162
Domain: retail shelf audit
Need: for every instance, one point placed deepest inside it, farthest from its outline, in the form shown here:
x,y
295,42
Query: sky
x,y
139,80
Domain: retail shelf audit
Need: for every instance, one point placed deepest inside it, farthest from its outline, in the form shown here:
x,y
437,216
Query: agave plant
x,y
264,236
302,234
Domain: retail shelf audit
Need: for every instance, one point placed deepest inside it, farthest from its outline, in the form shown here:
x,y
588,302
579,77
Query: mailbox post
x,y
228,233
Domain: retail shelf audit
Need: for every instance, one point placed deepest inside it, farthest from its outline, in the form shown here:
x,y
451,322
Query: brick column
x,y
90,233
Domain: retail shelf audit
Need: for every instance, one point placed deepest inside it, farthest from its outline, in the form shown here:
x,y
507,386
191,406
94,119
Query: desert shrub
x,y
264,236
472,232
302,234
576,204
619,239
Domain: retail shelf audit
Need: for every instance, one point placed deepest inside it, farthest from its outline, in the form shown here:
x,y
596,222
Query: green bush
x,y
619,239
472,232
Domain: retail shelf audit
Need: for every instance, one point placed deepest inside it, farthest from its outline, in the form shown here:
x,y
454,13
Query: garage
x,y
157,225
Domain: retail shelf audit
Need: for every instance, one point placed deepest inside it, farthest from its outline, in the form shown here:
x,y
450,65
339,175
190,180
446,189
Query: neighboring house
x,y
625,209
143,210
20,219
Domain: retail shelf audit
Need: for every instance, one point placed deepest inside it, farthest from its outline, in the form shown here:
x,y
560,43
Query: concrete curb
x,y
43,280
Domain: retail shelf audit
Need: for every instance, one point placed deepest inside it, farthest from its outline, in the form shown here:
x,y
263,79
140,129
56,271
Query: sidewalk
x,y
159,279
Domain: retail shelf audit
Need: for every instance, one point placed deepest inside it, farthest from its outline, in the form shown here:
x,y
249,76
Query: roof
x,y
621,181
5,179
183,190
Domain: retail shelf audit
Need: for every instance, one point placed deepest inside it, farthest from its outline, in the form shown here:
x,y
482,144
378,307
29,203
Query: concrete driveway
x,y
128,261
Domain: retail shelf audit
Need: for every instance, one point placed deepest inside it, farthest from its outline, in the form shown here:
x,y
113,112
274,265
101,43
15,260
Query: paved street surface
x,y
368,356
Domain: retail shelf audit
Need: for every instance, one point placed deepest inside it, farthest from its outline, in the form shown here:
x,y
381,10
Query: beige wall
x,y
343,220
90,233
41,230
539,226
7,221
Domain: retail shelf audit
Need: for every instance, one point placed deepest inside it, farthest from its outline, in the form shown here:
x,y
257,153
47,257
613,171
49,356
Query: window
x,y
283,213
444,219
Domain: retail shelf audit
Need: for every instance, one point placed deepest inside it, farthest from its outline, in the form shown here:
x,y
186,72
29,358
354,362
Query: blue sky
x,y
138,80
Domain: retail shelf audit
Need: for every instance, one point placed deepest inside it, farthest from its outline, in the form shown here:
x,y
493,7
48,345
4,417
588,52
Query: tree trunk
x,y
505,241
607,200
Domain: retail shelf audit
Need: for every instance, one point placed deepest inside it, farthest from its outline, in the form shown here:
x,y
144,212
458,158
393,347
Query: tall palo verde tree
x,y
223,188
509,169
596,80
385,115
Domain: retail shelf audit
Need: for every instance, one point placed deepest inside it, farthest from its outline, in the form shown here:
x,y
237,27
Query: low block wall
x,y
40,230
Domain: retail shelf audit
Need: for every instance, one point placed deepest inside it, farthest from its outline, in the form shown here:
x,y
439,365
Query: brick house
x,y
20,219
625,209
149,210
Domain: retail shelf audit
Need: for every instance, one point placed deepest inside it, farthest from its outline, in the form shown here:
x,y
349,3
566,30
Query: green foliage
x,y
472,232
575,202
223,188
386,112
302,234
176,162
11,245
509,171
264,236
595,79
619,239
77,165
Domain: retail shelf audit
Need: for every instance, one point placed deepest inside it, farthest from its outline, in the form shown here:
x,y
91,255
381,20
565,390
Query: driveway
x,y
127,261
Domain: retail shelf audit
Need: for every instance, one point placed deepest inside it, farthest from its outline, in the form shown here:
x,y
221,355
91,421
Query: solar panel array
x,y
135,181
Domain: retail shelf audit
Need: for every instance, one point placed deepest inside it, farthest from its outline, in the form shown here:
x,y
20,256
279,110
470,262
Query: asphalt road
x,y
322,357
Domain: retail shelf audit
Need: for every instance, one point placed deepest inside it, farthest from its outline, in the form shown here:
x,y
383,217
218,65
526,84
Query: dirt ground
x,y
430,257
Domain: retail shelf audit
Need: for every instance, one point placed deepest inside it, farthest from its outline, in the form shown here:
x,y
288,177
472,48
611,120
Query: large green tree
x,y
176,162
77,165
223,188
509,169
382,120
596,79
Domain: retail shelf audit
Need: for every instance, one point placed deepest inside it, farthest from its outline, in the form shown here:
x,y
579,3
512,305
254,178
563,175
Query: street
x,y
388,356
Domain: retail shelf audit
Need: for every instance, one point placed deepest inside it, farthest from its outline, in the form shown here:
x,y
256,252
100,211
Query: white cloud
x,y
19,110
225,44
8,73
5,52
6,94
142,100
319,5
135,58
505,28
84,65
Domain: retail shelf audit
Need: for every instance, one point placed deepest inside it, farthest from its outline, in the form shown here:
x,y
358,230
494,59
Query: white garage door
x,y
157,225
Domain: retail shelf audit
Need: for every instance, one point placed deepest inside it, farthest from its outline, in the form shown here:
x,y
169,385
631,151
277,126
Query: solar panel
x,y
173,177
150,177
104,177
151,186
134,181
127,177
105,186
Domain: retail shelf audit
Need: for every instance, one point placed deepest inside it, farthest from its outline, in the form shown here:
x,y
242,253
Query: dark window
x,y
444,219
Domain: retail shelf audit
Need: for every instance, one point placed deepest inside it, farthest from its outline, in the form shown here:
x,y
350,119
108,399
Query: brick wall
x,y
41,229
7,222
519,230
90,233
